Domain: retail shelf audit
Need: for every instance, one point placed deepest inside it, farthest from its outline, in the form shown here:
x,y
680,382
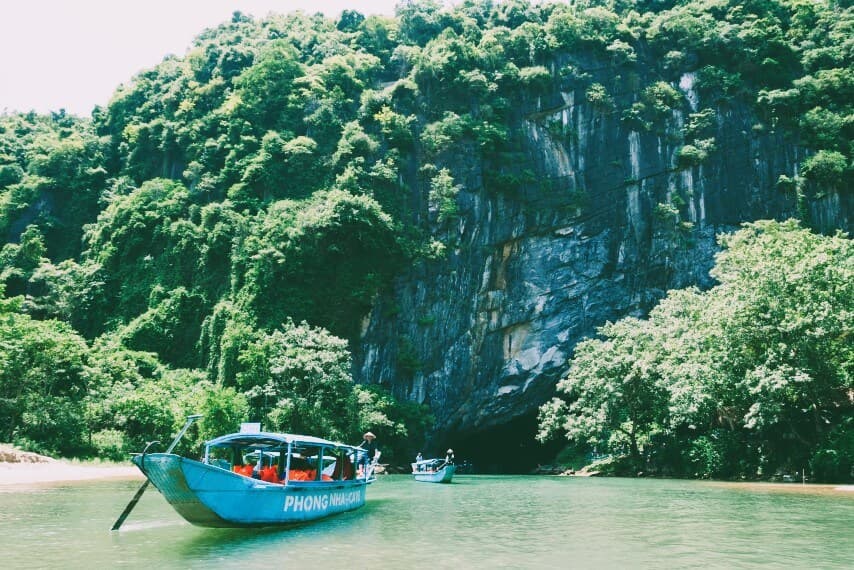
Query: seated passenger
x,y
348,468
269,474
298,475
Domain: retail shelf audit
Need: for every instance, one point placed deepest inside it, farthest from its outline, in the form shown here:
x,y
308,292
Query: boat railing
x,y
371,470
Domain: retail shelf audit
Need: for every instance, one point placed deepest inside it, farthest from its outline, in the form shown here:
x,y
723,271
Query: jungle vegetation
x,y
212,238
751,378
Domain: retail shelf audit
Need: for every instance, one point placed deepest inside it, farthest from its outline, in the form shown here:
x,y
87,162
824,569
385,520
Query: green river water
x,y
475,522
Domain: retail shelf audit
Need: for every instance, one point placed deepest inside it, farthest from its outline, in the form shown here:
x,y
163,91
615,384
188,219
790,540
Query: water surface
x,y
475,522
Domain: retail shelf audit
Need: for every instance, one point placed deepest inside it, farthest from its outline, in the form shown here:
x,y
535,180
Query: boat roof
x,y
271,439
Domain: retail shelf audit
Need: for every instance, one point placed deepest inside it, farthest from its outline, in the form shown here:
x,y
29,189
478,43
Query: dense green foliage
x,y
286,168
753,377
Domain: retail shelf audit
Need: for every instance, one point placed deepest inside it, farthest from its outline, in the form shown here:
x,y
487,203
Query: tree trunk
x,y
634,452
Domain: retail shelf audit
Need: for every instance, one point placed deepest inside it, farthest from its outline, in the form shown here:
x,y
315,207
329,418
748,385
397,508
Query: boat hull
x,y
443,475
206,495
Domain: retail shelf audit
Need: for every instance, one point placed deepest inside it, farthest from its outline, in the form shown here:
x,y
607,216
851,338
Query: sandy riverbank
x,y
23,468
794,488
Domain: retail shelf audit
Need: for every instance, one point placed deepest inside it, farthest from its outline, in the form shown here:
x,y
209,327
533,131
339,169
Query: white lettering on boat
x,y
320,502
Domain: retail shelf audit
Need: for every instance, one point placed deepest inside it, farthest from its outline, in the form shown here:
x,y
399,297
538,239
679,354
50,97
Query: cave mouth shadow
x,y
509,448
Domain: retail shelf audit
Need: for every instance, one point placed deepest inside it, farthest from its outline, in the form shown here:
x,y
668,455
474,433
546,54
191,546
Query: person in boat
x,y
369,444
418,459
252,468
449,457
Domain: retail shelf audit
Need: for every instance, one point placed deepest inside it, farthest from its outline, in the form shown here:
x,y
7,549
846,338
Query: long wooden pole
x,y
130,506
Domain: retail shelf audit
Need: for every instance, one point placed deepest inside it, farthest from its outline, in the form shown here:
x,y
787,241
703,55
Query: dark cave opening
x,y
509,448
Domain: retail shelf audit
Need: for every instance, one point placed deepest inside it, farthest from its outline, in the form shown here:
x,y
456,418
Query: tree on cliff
x,y
754,376
614,390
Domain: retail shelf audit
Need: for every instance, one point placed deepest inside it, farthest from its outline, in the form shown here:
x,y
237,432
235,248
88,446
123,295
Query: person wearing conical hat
x,y
369,444
449,457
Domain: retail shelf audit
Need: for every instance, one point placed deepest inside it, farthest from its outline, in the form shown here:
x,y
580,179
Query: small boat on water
x,y
433,471
255,478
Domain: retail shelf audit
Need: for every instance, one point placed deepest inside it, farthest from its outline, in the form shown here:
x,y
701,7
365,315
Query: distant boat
x,y
294,479
433,471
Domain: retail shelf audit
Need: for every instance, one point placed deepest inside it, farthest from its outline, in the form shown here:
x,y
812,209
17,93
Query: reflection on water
x,y
476,522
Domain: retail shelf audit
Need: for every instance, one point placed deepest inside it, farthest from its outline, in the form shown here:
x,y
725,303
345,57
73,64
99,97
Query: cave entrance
x,y
507,448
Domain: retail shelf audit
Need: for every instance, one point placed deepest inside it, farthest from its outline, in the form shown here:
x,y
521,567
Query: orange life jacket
x,y
298,475
269,475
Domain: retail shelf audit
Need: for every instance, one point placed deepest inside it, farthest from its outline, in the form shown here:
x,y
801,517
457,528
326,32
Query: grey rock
x,y
529,275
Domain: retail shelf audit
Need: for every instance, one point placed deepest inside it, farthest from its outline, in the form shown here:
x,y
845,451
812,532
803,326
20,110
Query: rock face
x,y
611,224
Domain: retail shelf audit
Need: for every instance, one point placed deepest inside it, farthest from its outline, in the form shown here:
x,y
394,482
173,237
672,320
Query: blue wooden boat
x,y
261,479
433,471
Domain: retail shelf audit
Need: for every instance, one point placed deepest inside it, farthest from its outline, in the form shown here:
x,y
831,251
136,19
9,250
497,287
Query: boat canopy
x,y
429,462
283,458
271,440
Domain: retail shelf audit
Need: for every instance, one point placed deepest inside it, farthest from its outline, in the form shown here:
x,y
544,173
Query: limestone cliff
x,y
610,224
